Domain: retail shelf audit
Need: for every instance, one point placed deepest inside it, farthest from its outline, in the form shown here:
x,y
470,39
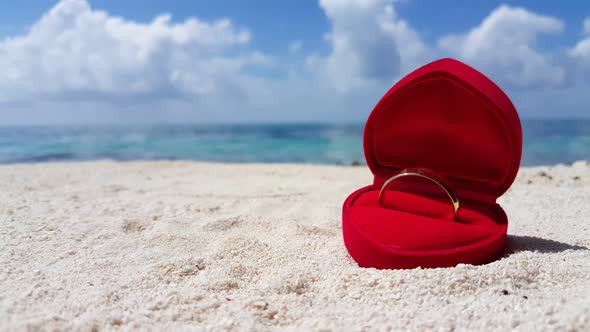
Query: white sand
x,y
182,245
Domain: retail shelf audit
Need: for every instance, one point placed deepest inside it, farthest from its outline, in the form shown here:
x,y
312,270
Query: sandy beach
x,y
199,246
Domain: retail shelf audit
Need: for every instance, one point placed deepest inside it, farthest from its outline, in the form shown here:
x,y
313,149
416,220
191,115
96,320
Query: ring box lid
x,y
451,119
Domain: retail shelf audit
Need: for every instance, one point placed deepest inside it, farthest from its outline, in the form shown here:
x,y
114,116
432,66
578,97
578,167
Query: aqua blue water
x,y
545,142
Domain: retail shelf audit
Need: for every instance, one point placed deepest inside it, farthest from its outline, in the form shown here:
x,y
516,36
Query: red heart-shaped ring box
x,y
452,120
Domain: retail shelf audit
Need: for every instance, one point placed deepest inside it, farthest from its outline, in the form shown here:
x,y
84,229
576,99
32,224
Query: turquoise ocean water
x,y
545,142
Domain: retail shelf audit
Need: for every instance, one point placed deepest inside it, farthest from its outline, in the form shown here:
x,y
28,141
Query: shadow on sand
x,y
518,243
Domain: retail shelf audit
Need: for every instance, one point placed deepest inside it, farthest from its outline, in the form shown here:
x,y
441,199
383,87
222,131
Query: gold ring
x,y
425,175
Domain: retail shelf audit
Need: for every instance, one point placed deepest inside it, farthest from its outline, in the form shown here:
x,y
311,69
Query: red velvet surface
x,y
452,120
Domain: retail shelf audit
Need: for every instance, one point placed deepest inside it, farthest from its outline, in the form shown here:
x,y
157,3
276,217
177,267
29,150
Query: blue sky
x,y
77,61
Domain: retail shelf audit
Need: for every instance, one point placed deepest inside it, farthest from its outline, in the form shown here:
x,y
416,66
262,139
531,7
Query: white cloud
x,y
369,43
504,46
586,26
295,46
581,51
74,50
579,55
